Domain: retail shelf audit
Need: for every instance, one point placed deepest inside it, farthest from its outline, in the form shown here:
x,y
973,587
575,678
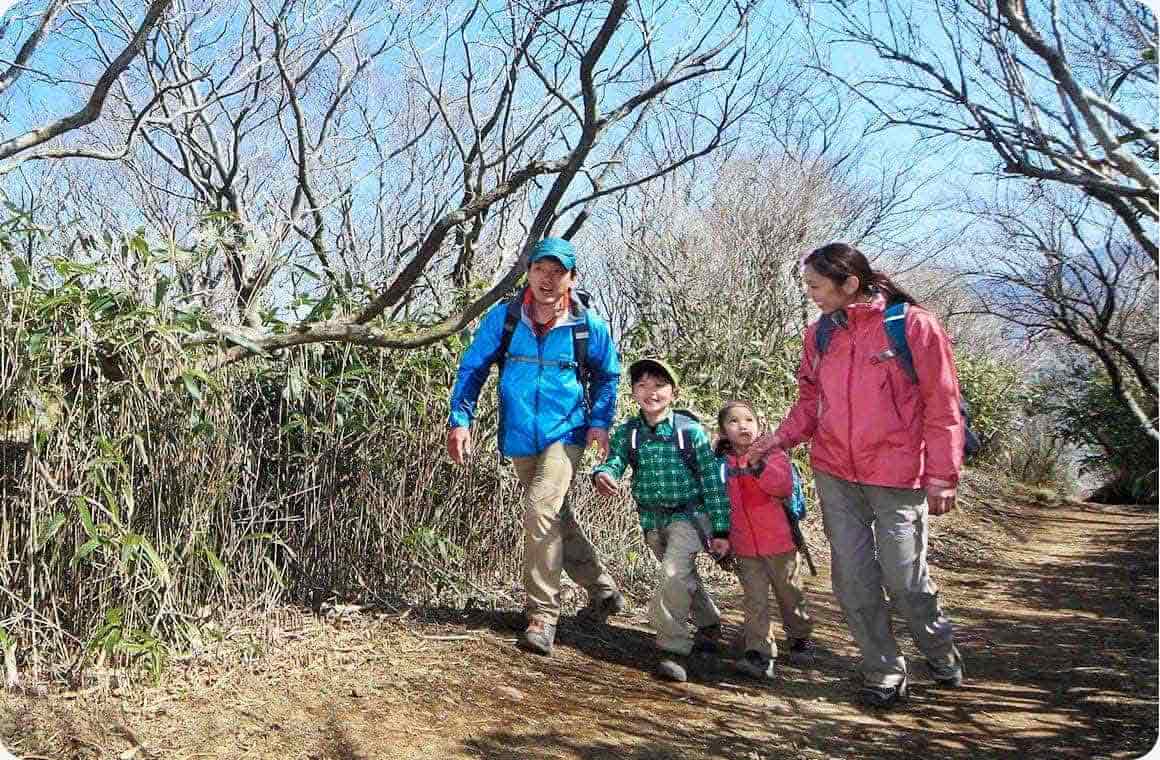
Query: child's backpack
x,y
683,422
894,320
795,505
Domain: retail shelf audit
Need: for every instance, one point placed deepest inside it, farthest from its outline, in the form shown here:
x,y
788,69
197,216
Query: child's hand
x,y
719,547
605,485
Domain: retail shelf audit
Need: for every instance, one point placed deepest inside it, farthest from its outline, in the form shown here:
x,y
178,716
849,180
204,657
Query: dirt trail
x,y
1059,633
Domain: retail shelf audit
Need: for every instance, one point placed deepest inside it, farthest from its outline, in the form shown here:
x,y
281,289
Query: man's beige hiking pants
x,y
782,572
679,588
553,541
861,521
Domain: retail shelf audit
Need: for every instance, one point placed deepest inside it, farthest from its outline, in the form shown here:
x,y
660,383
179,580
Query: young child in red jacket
x,y
760,536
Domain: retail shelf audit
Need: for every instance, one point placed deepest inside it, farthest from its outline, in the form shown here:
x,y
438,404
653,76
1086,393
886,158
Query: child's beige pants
x,y
679,588
553,541
782,572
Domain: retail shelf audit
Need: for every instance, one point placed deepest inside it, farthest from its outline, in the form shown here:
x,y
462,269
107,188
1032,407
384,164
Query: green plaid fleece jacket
x,y
662,480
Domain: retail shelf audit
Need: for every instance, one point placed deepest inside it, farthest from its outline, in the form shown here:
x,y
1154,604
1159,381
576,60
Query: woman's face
x,y
824,292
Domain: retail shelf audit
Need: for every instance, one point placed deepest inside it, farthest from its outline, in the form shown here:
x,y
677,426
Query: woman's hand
x,y
760,448
940,497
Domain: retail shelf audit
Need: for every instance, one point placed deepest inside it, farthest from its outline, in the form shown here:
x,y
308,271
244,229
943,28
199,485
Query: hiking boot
x,y
708,638
801,652
949,676
884,696
538,638
673,667
600,608
756,665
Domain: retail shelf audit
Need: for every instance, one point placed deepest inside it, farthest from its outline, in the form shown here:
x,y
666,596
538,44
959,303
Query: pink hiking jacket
x,y
866,420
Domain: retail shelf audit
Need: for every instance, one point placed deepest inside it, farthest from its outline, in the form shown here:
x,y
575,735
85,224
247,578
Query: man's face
x,y
549,281
653,394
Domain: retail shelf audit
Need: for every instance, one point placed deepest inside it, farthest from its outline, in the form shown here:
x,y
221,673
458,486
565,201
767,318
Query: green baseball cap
x,y
654,366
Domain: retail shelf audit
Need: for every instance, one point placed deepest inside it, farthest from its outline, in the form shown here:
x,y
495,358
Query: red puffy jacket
x,y
757,523
866,420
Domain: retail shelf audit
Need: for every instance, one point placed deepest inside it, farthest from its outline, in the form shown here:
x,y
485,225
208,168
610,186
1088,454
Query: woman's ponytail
x,y
881,282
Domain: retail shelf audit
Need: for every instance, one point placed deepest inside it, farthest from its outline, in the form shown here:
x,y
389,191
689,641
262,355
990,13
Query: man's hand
x,y
600,437
719,547
459,444
940,497
760,448
605,485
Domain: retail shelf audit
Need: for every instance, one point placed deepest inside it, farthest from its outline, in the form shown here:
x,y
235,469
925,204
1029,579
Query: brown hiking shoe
x,y
539,637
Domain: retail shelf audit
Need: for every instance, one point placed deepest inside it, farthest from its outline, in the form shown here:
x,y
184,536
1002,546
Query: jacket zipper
x,y
850,404
539,379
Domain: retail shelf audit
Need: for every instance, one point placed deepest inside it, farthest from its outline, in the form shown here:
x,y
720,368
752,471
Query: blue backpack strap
x,y
580,332
894,320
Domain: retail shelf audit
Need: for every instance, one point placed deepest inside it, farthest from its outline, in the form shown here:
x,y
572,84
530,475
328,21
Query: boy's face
x,y
740,428
653,394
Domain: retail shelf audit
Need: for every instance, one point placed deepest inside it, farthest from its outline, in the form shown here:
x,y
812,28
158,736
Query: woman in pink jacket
x,y
886,445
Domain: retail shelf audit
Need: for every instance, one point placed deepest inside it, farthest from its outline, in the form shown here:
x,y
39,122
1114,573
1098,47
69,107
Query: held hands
x,y
459,444
760,448
719,547
940,497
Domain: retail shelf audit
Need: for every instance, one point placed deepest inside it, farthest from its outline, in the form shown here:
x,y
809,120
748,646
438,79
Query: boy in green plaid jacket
x,y
682,513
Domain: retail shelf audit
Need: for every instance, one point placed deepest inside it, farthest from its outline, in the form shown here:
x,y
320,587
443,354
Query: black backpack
x,y
894,321
579,361
683,422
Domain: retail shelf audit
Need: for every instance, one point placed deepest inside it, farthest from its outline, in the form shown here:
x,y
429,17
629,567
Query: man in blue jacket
x,y
551,409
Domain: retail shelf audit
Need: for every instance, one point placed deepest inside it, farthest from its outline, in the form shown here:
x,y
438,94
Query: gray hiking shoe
x,y
673,667
600,608
708,638
801,652
885,697
756,665
949,675
538,638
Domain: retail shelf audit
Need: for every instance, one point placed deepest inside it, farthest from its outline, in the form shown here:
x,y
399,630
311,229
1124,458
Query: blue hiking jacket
x,y
540,397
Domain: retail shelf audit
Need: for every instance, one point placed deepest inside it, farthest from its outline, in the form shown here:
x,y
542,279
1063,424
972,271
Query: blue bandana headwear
x,y
554,248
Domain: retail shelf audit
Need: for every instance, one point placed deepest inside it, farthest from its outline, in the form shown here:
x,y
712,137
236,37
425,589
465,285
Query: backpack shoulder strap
x,y
511,318
822,335
683,424
894,320
580,331
634,442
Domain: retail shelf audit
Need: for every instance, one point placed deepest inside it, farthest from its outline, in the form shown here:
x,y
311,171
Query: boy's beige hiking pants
x,y
782,572
553,541
679,588
861,520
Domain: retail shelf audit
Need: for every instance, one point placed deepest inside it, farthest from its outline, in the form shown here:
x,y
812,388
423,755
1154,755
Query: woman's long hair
x,y
724,446
837,261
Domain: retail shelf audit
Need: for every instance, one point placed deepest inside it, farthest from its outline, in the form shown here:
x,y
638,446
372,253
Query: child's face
x,y
740,428
653,394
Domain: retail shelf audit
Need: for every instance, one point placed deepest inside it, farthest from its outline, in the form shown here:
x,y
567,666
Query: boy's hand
x,y
605,485
459,444
600,437
719,547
